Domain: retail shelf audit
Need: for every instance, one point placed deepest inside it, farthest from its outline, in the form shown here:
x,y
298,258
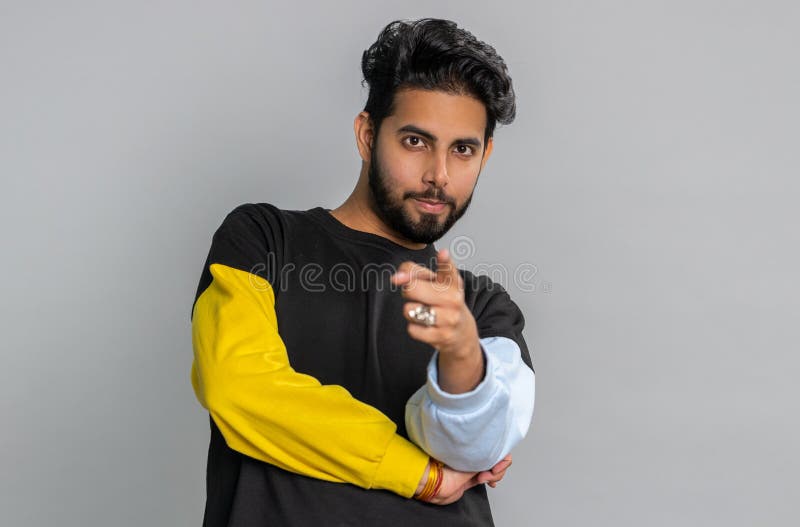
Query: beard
x,y
393,213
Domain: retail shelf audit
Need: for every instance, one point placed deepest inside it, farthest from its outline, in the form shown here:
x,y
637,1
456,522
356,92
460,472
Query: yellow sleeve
x,y
266,410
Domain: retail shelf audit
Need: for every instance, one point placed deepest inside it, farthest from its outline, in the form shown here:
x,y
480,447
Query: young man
x,y
346,364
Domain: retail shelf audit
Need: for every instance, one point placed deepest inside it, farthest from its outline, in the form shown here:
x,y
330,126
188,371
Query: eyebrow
x,y
474,141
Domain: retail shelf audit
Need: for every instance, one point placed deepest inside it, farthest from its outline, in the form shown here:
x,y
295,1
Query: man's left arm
x,y
478,400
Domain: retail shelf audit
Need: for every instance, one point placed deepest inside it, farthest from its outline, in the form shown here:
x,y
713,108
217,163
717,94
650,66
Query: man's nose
x,y
436,174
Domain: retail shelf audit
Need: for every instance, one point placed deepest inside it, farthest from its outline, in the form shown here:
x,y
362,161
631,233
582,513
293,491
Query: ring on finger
x,y
423,314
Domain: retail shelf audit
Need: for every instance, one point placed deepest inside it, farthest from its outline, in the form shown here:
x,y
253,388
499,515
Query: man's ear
x,y
487,151
365,135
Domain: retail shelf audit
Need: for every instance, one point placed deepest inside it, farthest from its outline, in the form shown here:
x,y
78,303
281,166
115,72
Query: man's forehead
x,y
441,113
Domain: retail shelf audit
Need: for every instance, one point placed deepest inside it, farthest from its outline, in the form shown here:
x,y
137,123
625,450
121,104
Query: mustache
x,y
435,196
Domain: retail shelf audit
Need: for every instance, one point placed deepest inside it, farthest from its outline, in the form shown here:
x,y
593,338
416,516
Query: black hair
x,y
436,54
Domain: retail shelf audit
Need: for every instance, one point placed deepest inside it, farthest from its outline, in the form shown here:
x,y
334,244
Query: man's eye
x,y
413,140
464,149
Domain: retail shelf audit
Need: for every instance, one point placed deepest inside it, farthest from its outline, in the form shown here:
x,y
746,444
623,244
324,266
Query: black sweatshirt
x,y
302,357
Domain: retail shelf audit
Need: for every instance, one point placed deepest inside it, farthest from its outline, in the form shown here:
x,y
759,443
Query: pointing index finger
x,y
409,271
446,270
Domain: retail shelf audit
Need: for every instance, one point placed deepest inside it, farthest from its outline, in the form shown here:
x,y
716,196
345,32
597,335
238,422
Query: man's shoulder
x,y
481,286
495,312
256,212
253,237
482,292
263,218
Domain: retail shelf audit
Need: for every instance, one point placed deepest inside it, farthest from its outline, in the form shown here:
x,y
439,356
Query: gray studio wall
x,y
650,180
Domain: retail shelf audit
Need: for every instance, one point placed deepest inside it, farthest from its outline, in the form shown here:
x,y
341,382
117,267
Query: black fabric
x,y
341,321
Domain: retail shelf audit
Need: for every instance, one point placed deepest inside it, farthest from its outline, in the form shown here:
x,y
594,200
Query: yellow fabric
x,y
270,412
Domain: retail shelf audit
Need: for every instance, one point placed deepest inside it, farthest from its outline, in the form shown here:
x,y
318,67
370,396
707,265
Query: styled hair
x,y
435,54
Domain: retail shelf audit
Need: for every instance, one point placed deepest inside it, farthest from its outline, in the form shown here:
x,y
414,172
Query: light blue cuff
x,y
473,431
461,403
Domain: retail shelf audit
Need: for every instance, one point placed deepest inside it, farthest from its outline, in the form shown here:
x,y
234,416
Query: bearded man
x,y
352,374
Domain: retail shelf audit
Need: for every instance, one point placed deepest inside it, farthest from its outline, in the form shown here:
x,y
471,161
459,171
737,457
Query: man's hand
x,y
456,483
455,333
496,473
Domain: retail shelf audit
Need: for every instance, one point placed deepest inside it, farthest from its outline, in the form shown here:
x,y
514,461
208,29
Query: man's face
x,y
425,162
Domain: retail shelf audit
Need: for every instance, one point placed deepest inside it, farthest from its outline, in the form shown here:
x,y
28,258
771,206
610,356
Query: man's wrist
x,y
463,401
433,481
461,372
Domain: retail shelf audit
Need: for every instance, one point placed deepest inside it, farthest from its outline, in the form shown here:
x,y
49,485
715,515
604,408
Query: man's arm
x,y
266,410
474,430
478,400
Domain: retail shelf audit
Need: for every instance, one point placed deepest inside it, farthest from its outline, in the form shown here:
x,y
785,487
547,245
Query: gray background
x,y
650,178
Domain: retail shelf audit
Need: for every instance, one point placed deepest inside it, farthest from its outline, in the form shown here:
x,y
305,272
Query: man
x,y
325,339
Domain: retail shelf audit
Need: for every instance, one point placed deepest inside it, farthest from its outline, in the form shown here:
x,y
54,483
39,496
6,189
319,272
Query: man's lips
x,y
430,205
